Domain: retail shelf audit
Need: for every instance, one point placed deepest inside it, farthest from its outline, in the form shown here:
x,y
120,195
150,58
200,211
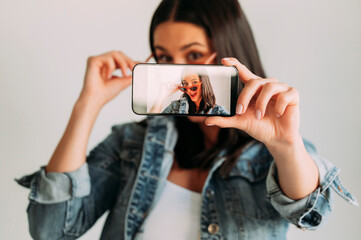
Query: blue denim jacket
x,y
181,106
125,175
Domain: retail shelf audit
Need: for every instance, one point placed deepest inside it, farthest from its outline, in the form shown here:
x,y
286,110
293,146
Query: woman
x,y
197,98
243,177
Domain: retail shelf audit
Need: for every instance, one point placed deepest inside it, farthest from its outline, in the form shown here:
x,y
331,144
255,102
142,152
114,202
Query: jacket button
x,y
213,228
316,218
210,193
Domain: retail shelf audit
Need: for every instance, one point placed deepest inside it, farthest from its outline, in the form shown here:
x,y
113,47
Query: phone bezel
x,y
236,87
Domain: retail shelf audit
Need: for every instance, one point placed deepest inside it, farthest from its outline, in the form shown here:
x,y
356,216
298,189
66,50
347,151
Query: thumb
x,y
225,122
120,82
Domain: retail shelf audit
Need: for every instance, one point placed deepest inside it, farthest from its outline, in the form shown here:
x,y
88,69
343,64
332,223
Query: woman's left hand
x,y
266,109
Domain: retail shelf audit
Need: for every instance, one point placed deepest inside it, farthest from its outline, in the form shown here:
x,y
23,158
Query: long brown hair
x,y
227,27
208,97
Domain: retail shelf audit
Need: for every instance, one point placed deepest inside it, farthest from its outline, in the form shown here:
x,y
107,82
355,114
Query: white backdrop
x,y
314,46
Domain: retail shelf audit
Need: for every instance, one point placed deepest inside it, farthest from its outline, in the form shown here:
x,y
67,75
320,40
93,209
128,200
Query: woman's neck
x,y
210,134
198,103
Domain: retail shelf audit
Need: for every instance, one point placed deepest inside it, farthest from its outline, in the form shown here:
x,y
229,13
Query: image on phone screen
x,y
177,89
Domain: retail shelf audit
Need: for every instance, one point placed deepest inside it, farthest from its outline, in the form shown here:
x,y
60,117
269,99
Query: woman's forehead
x,y
190,77
171,36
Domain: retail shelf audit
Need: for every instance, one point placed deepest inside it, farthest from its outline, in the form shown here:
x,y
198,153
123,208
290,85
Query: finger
x,y
269,90
104,71
222,122
108,67
121,63
211,58
244,74
120,83
250,89
131,63
288,98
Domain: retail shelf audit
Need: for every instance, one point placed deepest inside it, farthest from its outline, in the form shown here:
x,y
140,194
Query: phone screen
x,y
177,89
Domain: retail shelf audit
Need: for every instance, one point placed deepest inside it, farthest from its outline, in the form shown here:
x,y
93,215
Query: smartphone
x,y
183,89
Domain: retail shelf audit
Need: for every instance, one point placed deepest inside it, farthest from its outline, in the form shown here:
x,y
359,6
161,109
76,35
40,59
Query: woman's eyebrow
x,y
160,48
182,48
191,44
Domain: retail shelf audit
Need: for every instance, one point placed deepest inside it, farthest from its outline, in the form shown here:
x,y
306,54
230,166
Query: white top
x,y
175,216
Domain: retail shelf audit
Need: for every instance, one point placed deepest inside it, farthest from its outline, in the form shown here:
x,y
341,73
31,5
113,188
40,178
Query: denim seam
x,y
325,196
67,218
329,178
102,169
73,184
343,193
67,227
137,179
34,187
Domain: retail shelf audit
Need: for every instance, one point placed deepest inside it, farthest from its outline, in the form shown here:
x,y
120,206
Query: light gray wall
x,y
312,45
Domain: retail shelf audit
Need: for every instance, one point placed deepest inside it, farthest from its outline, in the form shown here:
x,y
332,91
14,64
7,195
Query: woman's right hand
x,y
100,85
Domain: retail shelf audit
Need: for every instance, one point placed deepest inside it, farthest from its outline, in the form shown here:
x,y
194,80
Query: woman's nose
x,y
179,60
189,88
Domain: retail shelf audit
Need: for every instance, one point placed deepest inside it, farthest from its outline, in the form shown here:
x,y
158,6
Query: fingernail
x,y
239,108
226,58
258,114
277,115
209,124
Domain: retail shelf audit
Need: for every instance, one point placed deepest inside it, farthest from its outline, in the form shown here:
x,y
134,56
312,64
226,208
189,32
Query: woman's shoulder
x,y
131,131
136,130
181,100
219,109
175,105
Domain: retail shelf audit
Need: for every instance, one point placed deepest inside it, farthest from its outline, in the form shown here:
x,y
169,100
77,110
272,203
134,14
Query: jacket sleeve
x,y
313,210
66,205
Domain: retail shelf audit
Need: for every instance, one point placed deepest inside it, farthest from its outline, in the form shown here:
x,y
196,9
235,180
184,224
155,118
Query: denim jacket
x,y
182,106
126,172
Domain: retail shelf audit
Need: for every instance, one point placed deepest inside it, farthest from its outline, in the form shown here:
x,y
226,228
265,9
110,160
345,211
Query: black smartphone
x,y
183,89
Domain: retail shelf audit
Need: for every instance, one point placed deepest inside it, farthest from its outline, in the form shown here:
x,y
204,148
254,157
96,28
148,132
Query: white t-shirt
x,y
175,216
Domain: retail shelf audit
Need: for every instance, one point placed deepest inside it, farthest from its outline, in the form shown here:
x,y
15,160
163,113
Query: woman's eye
x,y
164,58
194,56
